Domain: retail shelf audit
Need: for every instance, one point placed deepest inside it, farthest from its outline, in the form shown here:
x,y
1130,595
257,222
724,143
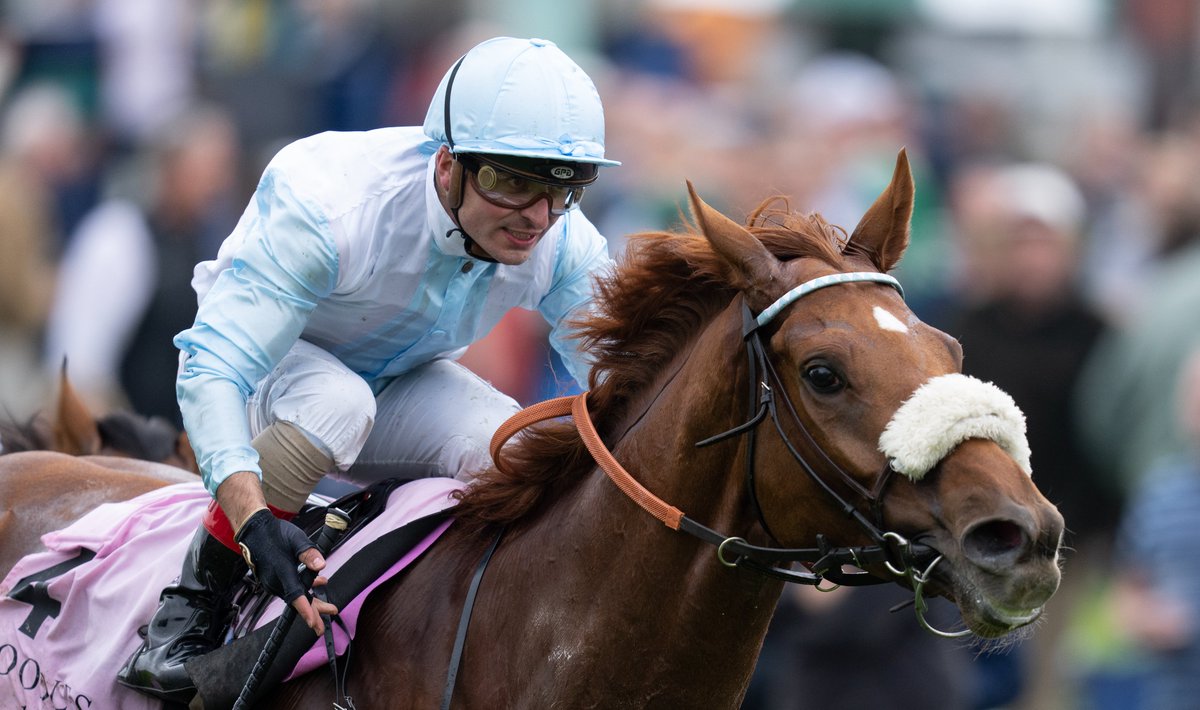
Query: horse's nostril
x,y
996,539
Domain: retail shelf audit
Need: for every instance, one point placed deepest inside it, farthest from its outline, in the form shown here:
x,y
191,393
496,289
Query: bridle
x,y
911,560
888,548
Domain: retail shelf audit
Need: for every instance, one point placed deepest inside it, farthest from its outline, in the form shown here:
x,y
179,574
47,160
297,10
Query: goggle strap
x,y
446,106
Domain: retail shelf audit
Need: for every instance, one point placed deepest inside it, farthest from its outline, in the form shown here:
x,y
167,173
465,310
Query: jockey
x,y
328,324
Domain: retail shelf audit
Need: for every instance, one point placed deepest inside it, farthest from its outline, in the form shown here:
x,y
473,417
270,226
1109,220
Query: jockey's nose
x,y
538,213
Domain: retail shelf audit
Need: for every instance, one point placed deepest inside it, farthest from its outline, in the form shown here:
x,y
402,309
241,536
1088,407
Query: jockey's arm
x,y
582,258
254,312
246,322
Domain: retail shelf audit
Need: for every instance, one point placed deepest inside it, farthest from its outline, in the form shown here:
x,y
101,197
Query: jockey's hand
x,y
271,547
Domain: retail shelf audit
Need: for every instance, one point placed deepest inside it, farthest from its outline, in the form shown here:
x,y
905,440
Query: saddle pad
x,y
69,616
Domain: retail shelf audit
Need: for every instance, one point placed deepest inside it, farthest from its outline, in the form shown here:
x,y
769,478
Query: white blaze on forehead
x,y
946,411
887,321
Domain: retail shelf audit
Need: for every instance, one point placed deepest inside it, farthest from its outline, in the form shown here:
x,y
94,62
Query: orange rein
x,y
576,406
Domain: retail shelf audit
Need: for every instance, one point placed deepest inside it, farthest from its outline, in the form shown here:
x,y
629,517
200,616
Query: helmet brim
x,y
551,154
566,173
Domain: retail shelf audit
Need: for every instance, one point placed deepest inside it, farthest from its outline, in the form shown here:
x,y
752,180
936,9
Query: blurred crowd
x,y
1056,150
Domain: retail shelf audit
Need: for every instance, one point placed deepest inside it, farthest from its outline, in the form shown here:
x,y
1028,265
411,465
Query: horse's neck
x,y
703,393
691,612
612,608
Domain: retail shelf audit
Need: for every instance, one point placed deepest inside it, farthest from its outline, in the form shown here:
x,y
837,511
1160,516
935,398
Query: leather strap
x,y
460,638
576,406
825,561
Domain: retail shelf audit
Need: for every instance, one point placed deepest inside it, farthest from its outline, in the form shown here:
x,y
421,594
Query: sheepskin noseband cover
x,y
946,411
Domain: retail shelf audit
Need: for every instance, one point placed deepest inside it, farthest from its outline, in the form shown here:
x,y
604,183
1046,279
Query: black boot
x,y
190,621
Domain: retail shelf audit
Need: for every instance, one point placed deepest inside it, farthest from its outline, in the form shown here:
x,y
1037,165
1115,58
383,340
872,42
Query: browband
x,y
821,282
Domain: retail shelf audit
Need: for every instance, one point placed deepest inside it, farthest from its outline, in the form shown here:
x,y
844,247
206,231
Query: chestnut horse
x,y
590,600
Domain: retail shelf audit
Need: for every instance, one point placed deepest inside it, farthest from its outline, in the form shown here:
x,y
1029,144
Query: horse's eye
x,y
823,379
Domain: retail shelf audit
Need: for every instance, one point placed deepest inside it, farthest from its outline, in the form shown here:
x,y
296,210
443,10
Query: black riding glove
x,y
272,548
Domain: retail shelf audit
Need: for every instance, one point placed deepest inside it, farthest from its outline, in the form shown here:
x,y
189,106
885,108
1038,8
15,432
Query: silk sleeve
x,y
582,257
253,314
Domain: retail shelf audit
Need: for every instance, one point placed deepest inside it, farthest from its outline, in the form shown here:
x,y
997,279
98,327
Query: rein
x,y
823,561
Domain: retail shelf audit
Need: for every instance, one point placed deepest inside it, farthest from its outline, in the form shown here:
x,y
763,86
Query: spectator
x,y
1025,326
46,135
27,248
140,256
147,68
1157,588
1135,368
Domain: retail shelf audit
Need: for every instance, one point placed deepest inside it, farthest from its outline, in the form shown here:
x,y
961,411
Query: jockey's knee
x,y
464,456
337,418
316,427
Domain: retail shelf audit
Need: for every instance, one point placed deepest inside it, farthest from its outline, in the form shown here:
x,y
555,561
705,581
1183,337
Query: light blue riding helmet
x,y
519,97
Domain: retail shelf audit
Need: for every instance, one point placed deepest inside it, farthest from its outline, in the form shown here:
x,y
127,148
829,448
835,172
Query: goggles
x,y
514,190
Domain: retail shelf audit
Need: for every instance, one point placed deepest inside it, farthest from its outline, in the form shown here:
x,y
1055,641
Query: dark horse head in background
x,y
73,429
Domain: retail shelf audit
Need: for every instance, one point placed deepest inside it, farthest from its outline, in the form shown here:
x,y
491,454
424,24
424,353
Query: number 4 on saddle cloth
x,y
70,616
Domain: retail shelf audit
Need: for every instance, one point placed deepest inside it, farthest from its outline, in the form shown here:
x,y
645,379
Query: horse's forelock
x,y
790,235
669,285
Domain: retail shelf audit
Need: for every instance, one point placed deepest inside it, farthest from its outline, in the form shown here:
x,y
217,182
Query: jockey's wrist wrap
x,y
217,524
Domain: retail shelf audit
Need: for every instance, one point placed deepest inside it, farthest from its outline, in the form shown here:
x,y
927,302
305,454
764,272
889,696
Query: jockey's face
x,y
507,234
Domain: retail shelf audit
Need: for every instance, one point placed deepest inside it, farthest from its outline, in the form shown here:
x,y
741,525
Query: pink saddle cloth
x,y
70,658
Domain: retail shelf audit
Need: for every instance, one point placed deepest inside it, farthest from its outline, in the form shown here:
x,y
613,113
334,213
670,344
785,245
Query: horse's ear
x,y
75,429
882,234
752,268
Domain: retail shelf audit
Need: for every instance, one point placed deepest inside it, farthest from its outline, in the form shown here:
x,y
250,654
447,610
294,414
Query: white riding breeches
x,y
436,420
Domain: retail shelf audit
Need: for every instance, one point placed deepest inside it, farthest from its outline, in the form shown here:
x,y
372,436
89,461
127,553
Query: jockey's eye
x,y
512,184
823,379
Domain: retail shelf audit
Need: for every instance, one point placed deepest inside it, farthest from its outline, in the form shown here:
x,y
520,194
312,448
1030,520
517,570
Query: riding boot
x,y
190,621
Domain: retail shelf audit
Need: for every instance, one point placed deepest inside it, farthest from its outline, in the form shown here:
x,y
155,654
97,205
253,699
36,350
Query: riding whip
x,y
336,522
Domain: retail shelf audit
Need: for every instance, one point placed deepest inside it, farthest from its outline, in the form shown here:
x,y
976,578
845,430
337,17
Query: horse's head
x,y
848,361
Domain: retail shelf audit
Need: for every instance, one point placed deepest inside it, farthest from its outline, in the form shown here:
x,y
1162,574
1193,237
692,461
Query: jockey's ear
x,y
75,429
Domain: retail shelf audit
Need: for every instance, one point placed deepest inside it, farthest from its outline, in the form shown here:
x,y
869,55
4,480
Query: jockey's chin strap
x,y
459,181
890,549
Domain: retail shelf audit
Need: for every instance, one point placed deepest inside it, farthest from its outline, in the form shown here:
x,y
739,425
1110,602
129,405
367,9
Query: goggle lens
x,y
512,191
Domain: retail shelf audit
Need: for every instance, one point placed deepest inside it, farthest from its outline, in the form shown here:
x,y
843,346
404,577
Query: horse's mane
x,y
33,434
665,288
